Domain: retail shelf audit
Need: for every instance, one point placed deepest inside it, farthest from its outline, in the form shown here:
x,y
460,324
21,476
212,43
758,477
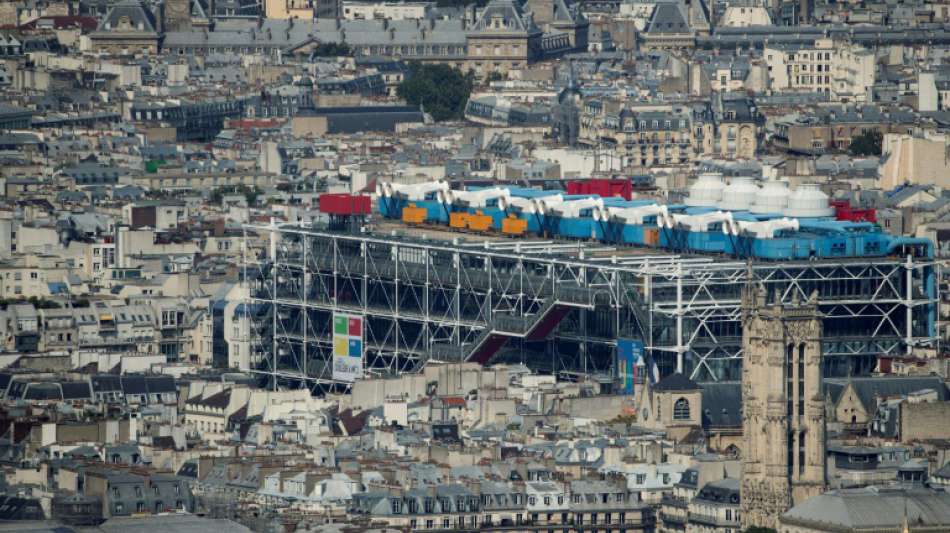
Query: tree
x,y
867,143
757,529
440,89
332,50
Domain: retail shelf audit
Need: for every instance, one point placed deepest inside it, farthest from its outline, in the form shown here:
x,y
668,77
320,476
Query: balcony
x,y
672,520
712,520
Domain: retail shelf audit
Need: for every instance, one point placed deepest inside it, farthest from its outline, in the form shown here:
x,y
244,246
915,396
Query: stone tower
x,y
177,15
783,416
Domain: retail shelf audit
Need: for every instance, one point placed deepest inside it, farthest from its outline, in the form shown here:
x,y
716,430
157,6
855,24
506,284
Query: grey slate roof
x,y
722,404
668,17
138,16
870,507
513,19
676,382
870,388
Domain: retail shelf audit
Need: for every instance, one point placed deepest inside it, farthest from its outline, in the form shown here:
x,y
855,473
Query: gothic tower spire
x,y
783,418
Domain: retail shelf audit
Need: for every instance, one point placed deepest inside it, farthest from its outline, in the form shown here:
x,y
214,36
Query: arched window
x,y
681,409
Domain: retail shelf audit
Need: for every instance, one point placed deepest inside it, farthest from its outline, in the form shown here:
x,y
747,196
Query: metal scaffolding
x,y
555,305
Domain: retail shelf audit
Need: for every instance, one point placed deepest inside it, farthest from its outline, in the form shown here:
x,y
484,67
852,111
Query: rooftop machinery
x,y
740,219
587,272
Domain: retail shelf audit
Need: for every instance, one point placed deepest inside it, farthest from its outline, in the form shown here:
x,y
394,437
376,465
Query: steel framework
x,y
555,305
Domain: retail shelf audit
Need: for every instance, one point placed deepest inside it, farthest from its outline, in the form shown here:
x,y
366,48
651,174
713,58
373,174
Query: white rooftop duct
x,y
631,215
477,198
517,203
416,191
544,204
701,222
573,208
765,229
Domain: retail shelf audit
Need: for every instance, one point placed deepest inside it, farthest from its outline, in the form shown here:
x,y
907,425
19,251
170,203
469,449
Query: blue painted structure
x,y
816,238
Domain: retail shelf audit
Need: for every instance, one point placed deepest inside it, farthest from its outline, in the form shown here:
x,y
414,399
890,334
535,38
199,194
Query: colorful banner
x,y
629,354
347,347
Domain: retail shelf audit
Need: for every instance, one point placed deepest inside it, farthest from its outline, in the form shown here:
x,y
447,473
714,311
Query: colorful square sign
x,y
347,347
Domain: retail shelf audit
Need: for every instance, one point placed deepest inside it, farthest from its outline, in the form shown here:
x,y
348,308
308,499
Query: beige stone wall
x,y
497,54
304,126
286,9
8,13
914,160
925,421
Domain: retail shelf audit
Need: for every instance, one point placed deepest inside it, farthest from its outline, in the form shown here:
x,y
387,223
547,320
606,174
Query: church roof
x,y
131,12
869,389
676,382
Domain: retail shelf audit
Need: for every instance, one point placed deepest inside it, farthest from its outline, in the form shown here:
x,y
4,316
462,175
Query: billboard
x,y
629,362
347,347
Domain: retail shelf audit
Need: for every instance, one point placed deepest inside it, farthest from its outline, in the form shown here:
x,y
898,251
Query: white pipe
x,y
544,204
525,205
702,222
475,198
415,191
632,215
765,229
573,208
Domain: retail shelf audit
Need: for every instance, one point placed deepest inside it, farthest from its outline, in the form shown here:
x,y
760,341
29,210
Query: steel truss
x,y
555,305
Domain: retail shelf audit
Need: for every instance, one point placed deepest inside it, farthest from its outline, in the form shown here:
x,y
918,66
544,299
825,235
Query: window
x,y
681,409
547,500
532,500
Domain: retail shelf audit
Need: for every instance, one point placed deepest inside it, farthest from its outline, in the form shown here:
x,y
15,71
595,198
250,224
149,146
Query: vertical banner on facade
x,y
629,354
347,347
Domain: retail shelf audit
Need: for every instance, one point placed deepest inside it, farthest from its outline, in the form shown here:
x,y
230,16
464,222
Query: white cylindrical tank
x,y
772,198
739,194
808,201
706,192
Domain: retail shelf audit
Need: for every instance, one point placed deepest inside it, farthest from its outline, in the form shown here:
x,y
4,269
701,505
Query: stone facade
x,y
782,403
503,38
128,29
921,421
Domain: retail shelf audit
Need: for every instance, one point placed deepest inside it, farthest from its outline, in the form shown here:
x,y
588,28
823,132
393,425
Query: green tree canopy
x,y
440,89
867,143
757,529
332,50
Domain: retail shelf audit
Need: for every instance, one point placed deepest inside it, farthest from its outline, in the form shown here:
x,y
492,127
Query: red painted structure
x,y
603,187
345,204
844,211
